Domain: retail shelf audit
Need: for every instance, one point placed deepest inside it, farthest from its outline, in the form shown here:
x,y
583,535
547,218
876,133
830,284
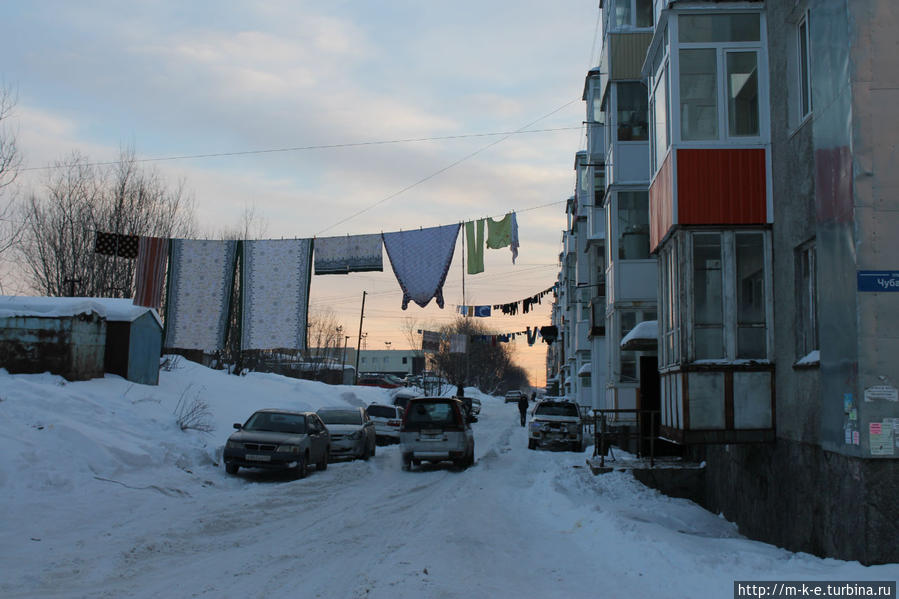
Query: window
x,y
715,28
633,109
805,94
708,315
669,317
661,127
633,225
720,56
806,300
742,94
698,94
750,257
631,13
405,360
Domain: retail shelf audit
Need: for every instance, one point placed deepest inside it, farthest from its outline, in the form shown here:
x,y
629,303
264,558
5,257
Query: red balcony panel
x,y
717,186
661,207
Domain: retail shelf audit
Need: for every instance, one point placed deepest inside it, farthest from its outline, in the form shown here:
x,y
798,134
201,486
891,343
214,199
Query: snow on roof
x,y
111,308
641,335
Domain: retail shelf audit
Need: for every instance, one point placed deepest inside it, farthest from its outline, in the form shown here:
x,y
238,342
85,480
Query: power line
x,y
446,168
313,147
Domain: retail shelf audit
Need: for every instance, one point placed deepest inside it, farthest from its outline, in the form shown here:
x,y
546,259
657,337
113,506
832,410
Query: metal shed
x,y
80,338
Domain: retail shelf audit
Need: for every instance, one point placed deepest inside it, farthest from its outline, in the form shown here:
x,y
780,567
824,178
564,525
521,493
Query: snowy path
x,y
519,523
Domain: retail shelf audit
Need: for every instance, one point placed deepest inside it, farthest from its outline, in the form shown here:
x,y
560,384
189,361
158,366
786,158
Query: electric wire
x,y
311,147
445,168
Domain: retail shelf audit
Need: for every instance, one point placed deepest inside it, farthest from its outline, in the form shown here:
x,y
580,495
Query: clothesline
x,y
510,308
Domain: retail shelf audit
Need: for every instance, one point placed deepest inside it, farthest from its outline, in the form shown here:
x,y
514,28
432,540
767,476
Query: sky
x,y
175,79
104,495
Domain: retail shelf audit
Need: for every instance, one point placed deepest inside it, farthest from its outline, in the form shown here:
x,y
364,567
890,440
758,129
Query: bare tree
x,y
250,225
484,365
10,162
78,200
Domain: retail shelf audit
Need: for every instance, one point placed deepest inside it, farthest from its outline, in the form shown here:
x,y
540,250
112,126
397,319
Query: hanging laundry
x,y
113,244
149,271
499,232
474,239
200,286
458,344
275,276
532,336
502,233
479,311
421,260
549,334
513,241
430,341
350,253
482,311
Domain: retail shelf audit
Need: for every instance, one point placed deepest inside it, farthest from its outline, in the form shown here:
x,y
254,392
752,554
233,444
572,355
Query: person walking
x,y
523,407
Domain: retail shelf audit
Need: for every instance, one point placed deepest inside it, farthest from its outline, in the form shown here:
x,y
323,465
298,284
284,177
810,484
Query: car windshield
x,y
277,423
381,411
431,413
556,409
341,416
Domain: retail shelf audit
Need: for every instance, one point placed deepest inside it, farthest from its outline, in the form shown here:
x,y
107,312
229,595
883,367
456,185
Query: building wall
x,y
815,489
71,346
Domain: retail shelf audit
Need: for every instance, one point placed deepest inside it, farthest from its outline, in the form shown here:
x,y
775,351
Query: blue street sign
x,y
878,280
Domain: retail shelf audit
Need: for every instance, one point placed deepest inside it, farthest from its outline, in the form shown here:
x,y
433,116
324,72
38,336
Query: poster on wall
x,y
880,437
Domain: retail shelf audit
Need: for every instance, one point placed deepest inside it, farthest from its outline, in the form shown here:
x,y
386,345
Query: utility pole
x,y
359,340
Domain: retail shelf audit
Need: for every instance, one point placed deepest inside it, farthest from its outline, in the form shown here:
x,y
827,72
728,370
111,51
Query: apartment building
x,y
774,227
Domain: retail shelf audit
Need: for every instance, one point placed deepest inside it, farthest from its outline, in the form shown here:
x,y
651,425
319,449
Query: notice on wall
x,y
880,437
881,392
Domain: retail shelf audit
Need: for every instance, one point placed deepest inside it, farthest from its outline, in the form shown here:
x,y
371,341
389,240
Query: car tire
x,y
366,453
323,463
532,444
407,461
231,468
300,470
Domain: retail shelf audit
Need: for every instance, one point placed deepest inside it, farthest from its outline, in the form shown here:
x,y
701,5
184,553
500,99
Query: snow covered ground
x,y
103,495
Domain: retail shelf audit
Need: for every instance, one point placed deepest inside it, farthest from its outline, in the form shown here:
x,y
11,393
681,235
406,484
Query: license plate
x,y
259,458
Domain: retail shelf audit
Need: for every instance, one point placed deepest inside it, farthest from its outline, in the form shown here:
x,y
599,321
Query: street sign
x,y
878,280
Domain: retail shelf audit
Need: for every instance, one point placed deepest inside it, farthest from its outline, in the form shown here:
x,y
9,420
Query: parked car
x,y
513,396
385,381
435,430
555,424
402,398
352,432
278,439
388,420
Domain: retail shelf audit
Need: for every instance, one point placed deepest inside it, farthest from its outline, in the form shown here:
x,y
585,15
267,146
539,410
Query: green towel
x,y
474,237
499,232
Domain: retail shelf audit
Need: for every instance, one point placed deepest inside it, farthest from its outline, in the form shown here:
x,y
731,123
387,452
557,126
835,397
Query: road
x,y
519,523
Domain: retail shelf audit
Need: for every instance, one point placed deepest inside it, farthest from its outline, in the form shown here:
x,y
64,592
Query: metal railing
x,y
602,435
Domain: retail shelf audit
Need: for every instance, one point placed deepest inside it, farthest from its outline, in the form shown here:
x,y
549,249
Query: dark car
x,y
278,439
385,381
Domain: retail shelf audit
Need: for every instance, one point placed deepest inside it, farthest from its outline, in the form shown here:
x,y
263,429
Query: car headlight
x,y
355,436
232,445
288,449
564,428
